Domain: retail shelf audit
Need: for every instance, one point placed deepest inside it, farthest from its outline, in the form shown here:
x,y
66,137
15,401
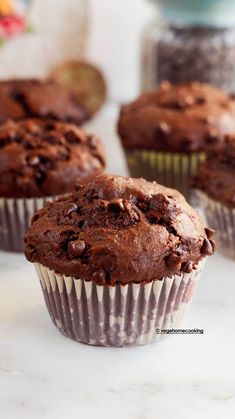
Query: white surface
x,y
45,375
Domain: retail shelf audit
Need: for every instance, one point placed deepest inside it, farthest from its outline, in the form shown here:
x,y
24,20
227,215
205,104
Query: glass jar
x,y
190,40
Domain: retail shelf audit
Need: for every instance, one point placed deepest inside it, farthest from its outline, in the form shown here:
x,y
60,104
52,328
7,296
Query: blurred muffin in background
x,y
40,159
167,132
24,98
215,186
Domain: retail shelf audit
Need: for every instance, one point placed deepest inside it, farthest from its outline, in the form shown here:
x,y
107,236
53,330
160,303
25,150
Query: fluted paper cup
x,y
169,169
15,216
222,220
122,315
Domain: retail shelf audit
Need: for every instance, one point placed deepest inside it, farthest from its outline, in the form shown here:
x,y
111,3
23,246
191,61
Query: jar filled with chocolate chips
x,y
190,40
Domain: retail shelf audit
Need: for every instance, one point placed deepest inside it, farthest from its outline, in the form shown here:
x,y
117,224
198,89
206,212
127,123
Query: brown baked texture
x,y
119,230
26,98
182,118
216,175
43,157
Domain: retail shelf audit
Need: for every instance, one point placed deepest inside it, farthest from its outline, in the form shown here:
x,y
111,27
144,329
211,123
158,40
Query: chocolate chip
x,y
209,232
208,247
63,155
50,126
188,267
190,144
173,263
51,139
178,104
28,145
201,100
40,177
212,136
159,202
35,217
213,244
82,224
116,206
76,247
72,137
99,277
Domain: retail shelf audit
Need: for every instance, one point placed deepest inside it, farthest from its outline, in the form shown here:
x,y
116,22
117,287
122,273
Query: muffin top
x,y
118,230
43,158
216,175
33,98
182,118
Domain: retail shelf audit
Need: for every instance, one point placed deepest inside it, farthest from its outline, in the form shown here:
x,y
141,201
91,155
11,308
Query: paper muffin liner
x,y
15,216
122,315
222,220
170,169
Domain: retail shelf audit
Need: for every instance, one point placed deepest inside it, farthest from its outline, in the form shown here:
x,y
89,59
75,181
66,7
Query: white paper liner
x,y
116,316
222,220
15,216
169,169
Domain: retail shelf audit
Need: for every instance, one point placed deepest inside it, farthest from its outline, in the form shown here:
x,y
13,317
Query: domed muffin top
x,y
181,118
216,175
44,158
26,98
118,230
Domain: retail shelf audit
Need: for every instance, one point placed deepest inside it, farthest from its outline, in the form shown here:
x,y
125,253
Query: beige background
x,y
58,27
114,42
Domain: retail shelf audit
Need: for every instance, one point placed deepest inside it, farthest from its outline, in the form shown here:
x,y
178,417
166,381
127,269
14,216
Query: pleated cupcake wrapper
x,y
122,315
15,216
170,169
222,220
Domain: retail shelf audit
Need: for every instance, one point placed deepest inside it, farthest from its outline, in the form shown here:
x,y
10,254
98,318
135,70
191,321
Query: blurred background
x,y
135,43
105,32
116,32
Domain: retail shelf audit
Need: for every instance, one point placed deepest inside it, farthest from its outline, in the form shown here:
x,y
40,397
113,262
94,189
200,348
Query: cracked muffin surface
x,y
215,177
27,98
182,118
119,230
45,157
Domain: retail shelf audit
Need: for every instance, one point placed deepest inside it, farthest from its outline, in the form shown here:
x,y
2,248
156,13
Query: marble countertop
x,y
45,375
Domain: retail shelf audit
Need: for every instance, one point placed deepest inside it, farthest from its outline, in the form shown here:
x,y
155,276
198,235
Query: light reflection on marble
x,y
44,375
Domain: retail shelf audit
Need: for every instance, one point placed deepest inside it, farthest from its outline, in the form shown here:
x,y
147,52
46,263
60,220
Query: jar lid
x,y
199,12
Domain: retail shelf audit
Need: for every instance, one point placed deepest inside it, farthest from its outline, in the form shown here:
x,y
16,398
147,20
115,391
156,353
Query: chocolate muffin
x,y
122,255
214,184
28,98
40,159
166,133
